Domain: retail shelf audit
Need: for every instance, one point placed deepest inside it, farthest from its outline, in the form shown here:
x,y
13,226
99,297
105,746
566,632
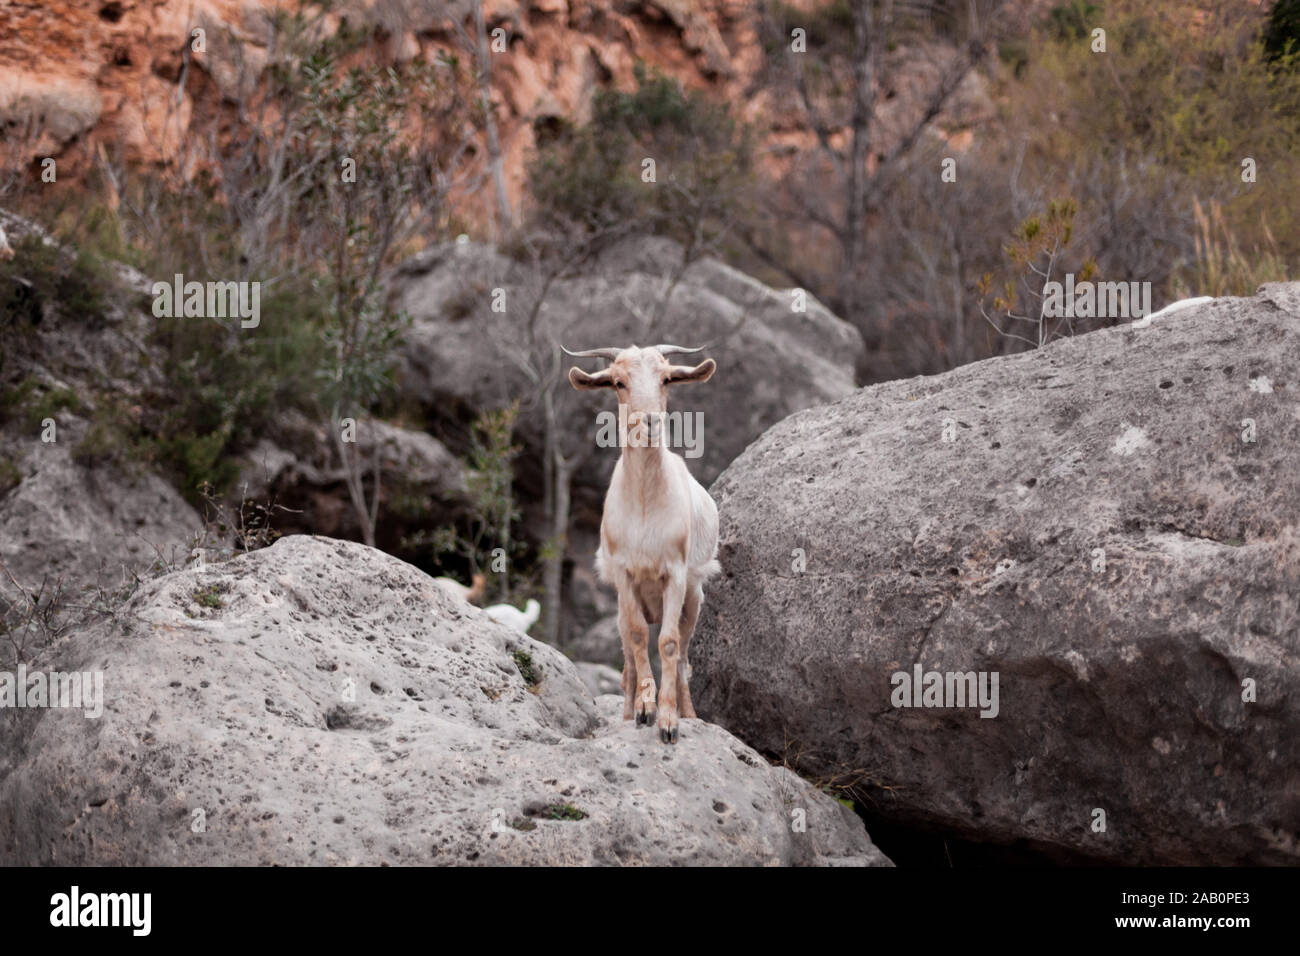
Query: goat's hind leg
x,y
639,692
629,681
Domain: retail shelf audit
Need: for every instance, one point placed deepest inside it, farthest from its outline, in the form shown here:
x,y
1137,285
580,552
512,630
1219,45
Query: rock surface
x,y
423,484
600,643
318,702
600,679
1096,532
84,525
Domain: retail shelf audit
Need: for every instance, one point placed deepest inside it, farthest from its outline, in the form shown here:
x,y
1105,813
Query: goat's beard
x,y
641,429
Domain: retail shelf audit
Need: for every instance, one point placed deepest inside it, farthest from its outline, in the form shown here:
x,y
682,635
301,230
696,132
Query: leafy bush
x,y
590,178
1037,254
1073,20
226,385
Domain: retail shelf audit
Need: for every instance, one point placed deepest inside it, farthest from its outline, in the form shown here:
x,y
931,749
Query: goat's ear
x,y
581,380
685,375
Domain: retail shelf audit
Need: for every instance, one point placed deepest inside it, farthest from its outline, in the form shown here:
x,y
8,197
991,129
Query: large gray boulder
x,y
461,357
1113,529
320,702
601,643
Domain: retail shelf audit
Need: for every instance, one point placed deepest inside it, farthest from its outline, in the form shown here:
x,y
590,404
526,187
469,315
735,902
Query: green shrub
x,y
527,669
563,811
1281,36
493,512
1164,118
1072,21
71,280
226,385
210,596
591,178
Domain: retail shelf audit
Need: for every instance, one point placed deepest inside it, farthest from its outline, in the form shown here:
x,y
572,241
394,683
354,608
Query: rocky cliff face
x,y
1107,526
119,72
319,702
76,75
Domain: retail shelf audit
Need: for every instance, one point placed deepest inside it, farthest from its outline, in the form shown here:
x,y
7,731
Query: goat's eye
x,y
619,385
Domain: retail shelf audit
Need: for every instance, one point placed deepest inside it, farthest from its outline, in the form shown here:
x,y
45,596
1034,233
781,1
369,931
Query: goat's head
x,y
640,377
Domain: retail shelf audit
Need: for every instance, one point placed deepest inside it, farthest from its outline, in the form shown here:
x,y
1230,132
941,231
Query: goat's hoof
x,y
668,736
645,718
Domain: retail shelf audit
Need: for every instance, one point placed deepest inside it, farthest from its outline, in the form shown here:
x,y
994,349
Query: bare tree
x,y
324,175
837,189
541,360
505,218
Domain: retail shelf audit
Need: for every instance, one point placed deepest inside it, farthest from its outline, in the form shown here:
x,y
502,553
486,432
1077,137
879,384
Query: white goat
x,y
513,617
658,534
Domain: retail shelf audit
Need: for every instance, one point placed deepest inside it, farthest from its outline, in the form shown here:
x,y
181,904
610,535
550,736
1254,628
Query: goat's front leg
x,y
670,637
638,678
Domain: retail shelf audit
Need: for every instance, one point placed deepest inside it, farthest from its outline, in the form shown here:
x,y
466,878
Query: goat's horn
x,y
610,354
677,349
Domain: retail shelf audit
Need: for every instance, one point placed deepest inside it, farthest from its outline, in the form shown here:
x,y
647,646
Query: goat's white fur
x,y
658,536
513,617
1170,309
